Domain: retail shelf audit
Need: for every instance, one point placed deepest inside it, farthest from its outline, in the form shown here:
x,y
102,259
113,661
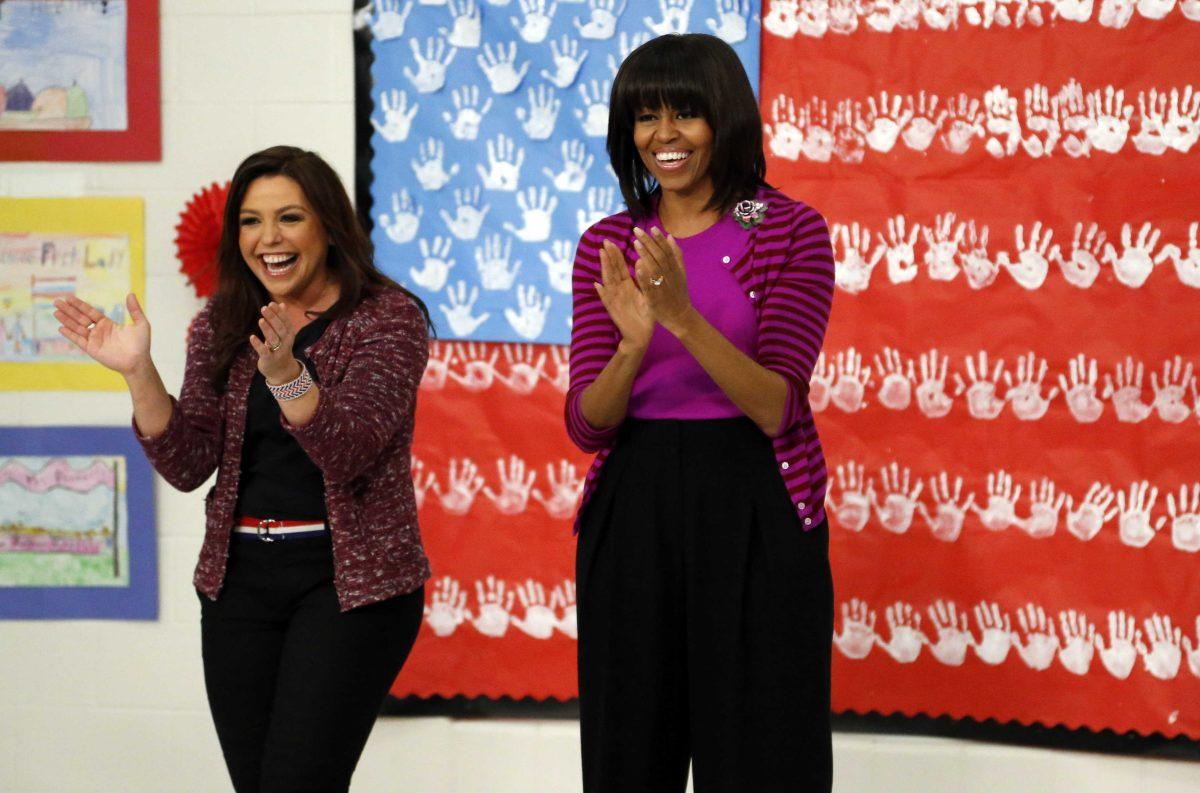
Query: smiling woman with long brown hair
x,y
705,600
299,391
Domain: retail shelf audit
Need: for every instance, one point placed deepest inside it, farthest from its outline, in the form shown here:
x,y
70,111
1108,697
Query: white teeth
x,y
276,258
671,156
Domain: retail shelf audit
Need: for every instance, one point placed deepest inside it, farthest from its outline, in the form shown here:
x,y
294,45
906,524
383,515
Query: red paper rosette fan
x,y
197,237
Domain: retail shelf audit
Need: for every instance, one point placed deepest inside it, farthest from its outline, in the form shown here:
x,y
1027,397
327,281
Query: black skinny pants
x,y
294,684
705,619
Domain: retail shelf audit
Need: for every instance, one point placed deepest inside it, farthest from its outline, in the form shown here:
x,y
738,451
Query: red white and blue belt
x,y
270,530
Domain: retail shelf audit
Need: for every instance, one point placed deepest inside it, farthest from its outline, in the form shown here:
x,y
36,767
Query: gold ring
x,y
91,326
275,348
658,281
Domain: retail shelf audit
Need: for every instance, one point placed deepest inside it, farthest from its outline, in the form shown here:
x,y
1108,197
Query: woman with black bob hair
x,y
705,600
299,391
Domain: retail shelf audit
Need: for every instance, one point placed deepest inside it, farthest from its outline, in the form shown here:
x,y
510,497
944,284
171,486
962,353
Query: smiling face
x,y
283,241
676,148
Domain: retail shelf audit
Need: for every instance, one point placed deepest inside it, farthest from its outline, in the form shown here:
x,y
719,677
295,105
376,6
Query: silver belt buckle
x,y
264,529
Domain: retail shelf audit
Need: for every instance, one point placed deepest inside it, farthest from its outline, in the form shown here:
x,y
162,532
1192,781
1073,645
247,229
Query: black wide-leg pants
x,y
294,684
705,618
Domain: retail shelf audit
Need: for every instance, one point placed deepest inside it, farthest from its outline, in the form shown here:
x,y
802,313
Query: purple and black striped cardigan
x,y
787,273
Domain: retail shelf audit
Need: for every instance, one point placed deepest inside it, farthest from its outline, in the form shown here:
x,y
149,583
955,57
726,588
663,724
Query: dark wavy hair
x,y
240,296
700,73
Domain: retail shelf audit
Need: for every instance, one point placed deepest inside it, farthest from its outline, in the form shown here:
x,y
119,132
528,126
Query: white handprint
x,y
901,257
1185,519
1126,392
1044,506
468,115
463,484
1116,13
430,75
675,17
943,241
538,121
539,621
600,204
602,19
978,268
389,18
858,630
1041,118
459,311
1165,653
1078,642
565,489
626,44
435,264
524,369
964,123
982,402
906,639
1001,509
895,514
504,161
1187,268
924,121
1076,122
530,317
513,495
784,137
1155,9
1183,120
947,521
397,116
576,162
1151,137
594,114
858,493
1137,260
559,261
1123,638
563,597
783,20
849,145
818,143
1094,511
1073,10
468,217
853,378
995,634
441,355
1168,397
953,638
1040,644
537,206
730,23
500,69
932,399
1193,651
1026,396
1032,266
882,122
1084,266
429,166
561,379
479,366
565,54
843,16
404,222
423,481
854,266
495,604
492,262
535,21
447,608
895,393
1080,391
1136,526
1110,119
466,29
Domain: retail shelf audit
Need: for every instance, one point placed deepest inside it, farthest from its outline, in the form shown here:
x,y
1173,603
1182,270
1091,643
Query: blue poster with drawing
x,y
489,146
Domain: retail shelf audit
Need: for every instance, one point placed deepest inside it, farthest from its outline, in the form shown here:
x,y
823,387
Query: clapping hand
x,y
661,276
122,348
275,359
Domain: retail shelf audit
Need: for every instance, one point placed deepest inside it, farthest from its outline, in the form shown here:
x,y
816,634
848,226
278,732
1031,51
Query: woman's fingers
x,y
66,313
92,313
270,336
674,253
135,309
259,346
74,338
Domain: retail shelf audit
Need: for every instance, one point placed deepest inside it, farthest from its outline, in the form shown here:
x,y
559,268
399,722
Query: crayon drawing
x,y
62,65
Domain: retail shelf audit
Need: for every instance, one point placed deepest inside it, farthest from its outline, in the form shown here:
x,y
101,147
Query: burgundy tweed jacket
x,y
369,364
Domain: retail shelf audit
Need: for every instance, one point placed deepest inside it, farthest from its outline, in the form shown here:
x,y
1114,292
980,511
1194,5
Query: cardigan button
x,y
784,465
752,295
808,521
724,260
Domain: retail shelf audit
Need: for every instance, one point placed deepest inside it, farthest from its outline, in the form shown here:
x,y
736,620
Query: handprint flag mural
x,y
1007,395
490,121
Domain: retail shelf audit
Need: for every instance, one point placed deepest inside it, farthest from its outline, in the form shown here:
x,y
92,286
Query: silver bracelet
x,y
294,389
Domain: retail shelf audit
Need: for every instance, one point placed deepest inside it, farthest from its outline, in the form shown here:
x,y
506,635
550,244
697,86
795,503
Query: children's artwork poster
x,y
489,161
1007,396
51,248
79,80
77,529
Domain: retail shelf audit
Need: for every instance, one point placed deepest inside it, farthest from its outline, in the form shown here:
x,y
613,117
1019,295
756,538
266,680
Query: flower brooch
x,y
749,213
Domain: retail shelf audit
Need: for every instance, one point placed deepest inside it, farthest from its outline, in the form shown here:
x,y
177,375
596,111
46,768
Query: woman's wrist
x,y
684,324
143,371
280,379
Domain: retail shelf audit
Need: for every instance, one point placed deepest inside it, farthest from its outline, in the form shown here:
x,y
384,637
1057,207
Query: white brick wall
x,y
108,706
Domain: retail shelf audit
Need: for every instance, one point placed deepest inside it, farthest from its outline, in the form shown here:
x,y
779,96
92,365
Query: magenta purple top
x,y
670,384
782,274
